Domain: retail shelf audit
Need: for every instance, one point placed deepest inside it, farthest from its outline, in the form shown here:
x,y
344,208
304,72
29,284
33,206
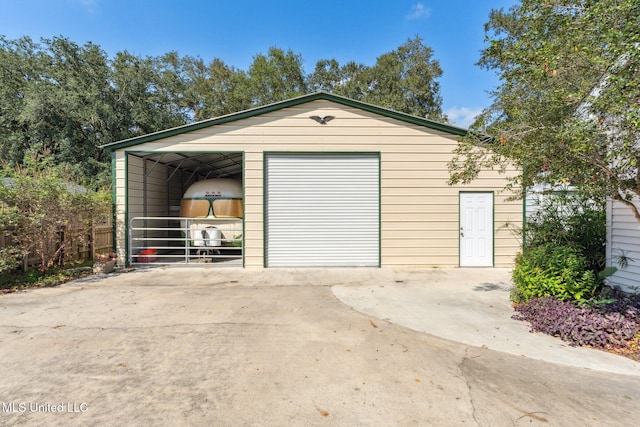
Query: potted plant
x,y
105,263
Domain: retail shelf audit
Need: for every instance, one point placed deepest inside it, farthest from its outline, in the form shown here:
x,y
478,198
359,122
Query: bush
x,y
563,250
585,326
553,271
568,218
42,213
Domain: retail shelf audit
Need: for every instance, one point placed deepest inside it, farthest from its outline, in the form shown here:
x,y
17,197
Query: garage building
x,y
326,181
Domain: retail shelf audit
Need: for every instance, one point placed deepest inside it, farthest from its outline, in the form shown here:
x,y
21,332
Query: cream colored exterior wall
x,y
121,202
419,211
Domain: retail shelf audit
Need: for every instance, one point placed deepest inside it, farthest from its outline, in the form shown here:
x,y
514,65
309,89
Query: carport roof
x,y
207,164
408,118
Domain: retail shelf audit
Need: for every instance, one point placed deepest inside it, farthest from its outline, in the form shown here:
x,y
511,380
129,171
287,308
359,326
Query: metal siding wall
x,y
624,237
322,210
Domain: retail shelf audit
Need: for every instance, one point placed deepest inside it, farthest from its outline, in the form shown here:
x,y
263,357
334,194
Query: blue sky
x,y
235,31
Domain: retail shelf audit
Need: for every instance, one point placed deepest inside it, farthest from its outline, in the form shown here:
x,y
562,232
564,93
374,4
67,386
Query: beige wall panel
x,y
503,217
417,158
420,209
253,227
297,143
435,200
256,211
418,246
253,173
503,261
413,233
337,127
120,205
390,188
440,260
252,191
425,171
254,206
421,229
252,161
429,204
439,167
437,185
420,217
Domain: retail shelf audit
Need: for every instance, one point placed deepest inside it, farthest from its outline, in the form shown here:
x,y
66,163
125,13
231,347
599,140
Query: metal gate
x,y
174,240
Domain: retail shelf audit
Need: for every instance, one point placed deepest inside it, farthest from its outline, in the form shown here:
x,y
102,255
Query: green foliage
x,y
16,280
214,89
567,218
276,76
569,98
42,213
554,271
563,250
405,80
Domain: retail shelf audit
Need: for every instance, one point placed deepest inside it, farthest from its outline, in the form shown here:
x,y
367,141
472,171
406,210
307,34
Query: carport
x,y
156,183
326,182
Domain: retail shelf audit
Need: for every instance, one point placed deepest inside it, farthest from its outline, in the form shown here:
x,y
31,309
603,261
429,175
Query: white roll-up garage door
x,y
322,210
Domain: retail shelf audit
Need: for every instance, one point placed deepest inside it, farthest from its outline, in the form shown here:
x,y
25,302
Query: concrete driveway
x,y
202,346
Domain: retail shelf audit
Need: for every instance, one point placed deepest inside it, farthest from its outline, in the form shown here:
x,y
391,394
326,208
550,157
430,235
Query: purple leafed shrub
x,y
581,325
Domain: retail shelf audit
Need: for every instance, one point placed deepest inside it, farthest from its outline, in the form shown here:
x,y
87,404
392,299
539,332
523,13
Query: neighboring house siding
x,y
623,237
419,211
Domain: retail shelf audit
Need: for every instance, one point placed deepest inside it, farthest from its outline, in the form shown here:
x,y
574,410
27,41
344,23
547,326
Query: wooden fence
x,y
77,246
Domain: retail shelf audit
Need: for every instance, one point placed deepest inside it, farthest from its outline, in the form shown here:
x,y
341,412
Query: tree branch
x,y
629,204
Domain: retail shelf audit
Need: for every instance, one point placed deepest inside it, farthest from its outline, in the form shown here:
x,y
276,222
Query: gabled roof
x,y
324,96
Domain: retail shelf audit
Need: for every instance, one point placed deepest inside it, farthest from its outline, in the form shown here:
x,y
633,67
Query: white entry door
x,y
476,229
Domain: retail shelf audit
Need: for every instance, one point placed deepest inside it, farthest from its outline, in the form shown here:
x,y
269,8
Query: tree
x,y
73,111
214,89
351,80
405,80
568,107
326,77
19,68
275,77
55,99
148,94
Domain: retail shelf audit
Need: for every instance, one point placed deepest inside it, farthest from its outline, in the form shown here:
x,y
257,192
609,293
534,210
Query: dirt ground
x,y
212,352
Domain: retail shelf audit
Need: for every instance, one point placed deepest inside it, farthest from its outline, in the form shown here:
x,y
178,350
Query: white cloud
x,y
419,11
462,116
